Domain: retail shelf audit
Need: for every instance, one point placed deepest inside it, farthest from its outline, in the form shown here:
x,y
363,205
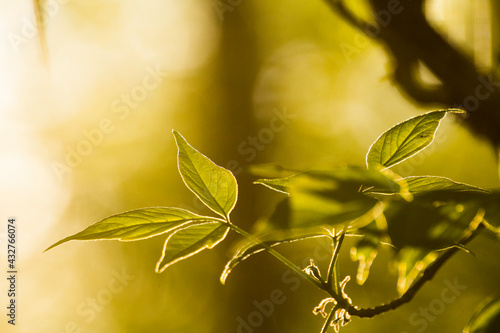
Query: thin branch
x,y
276,254
331,316
332,271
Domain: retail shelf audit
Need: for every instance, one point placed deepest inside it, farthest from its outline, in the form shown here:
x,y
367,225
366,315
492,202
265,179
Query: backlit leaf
x,y
335,196
278,184
487,319
136,224
365,250
405,139
185,242
433,183
411,262
215,186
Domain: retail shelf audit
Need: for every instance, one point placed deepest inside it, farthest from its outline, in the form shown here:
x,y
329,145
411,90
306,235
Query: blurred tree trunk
x,y
230,125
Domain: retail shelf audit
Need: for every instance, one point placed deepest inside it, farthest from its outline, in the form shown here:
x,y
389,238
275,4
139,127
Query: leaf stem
x,y
333,272
324,329
276,254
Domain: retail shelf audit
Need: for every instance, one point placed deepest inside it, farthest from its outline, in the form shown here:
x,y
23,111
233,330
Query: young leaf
x,y
186,242
136,224
250,248
405,139
215,186
487,319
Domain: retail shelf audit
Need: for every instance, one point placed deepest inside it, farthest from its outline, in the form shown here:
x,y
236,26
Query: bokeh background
x,y
86,133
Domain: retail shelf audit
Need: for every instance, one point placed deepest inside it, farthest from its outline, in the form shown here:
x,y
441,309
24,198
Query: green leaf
x,y
270,170
278,184
136,224
215,186
186,242
487,319
434,220
429,223
432,183
405,139
334,197
250,248
365,250
411,262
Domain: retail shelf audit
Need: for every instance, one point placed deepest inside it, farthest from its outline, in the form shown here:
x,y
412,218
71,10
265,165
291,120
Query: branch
x,y
409,39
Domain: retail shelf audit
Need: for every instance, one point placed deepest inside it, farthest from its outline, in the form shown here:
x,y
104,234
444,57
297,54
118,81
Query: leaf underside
x,y
186,242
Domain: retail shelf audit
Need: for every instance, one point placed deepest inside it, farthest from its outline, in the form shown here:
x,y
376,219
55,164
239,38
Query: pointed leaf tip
x,y
136,225
405,139
215,186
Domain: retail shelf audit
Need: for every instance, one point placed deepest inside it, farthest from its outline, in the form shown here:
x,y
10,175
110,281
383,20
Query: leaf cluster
x,y
421,217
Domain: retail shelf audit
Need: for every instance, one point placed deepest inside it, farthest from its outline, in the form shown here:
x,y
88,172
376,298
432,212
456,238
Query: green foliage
x,y
215,186
423,218
404,140
137,224
487,319
185,242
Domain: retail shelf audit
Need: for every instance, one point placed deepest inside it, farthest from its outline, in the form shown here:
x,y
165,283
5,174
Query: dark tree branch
x,y
409,39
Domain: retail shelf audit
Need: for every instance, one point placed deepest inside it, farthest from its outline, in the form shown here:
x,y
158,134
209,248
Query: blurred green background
x,y
281,81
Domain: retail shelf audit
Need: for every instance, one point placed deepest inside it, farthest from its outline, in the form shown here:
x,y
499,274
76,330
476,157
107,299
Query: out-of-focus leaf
x,y
250,248
419,184
365,250
428,224
334,197
278,184
215,186
185,242
136,224
405,139
270,170
434,220
280,219
486,319
410,262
